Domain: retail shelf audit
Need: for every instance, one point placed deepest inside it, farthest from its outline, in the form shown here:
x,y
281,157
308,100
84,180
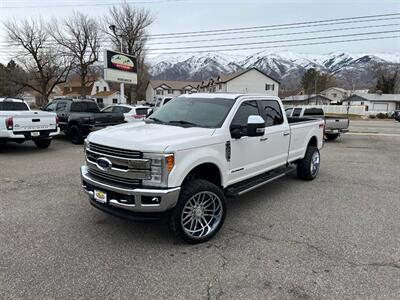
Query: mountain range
x,y
349,70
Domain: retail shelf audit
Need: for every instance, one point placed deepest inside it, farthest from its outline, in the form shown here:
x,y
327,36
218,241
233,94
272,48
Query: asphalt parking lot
x,y
337,237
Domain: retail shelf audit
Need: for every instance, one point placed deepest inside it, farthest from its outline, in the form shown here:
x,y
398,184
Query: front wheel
x,y
331,137
42,143
308,167
200,211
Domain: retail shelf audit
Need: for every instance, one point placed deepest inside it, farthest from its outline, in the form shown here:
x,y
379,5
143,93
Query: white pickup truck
x,y
18,123
186,158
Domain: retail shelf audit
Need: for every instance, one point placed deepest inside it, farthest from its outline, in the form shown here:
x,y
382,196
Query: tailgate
x,y
34,121
336,123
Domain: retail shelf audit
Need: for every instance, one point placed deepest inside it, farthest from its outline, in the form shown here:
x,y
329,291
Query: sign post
x,y
121,68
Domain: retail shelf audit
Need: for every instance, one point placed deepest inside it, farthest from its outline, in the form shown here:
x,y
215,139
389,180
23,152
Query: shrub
x,y
381,116
372,116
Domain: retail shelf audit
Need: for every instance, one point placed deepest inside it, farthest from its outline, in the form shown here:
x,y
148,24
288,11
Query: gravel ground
x,y
334,238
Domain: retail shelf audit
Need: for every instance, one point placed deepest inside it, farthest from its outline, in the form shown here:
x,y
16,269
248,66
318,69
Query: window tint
x,y
313,112
166,100
13,106
108,109
245,110
271,112
84,107
61,106
141,111
121,109
296,112
51,107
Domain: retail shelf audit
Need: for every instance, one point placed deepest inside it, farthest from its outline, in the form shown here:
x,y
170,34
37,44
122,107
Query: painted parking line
x,y
374,134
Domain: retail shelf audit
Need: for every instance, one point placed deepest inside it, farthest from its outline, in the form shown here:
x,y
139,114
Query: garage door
x,y
380,106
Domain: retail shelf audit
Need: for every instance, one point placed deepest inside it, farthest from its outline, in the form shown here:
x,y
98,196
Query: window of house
x,y
271,112
220,86
97,89
170,91
115,100
159,92
334,95
362,102
105,89
99,100
269,87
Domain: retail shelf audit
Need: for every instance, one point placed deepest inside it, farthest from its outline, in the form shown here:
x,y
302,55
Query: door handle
x,y
286,133
263,139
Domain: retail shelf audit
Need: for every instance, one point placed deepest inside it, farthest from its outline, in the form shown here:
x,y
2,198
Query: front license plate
x,y
35,133
100,196
336,131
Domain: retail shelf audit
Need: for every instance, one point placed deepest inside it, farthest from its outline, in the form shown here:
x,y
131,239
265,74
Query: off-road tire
x,y
189,189
75,135
332,137
42,143
304,165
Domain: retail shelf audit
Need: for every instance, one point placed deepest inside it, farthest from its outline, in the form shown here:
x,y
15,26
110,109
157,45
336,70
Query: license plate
x,y
336,131
100,196
35,133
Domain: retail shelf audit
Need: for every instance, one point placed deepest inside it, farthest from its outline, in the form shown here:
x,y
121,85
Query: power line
x,y
277,41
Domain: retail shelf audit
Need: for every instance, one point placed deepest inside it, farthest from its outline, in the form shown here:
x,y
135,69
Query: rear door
x,y
277,134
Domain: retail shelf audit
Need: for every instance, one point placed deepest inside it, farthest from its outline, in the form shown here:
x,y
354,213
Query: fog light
x,y
151,200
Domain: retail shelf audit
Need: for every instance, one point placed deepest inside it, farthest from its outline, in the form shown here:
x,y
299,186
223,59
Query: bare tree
x,y
132,29
79,36
44,66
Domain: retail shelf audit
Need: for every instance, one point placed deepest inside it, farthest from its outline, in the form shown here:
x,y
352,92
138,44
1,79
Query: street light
x,y
113,28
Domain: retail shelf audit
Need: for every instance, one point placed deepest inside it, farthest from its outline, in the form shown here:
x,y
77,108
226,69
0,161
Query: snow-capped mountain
x,y
286,66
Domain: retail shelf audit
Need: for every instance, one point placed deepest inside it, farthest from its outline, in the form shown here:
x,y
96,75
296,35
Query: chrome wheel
x,y
315,161
201,215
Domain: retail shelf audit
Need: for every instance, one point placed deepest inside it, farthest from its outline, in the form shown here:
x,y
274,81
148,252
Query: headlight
x,y
160,167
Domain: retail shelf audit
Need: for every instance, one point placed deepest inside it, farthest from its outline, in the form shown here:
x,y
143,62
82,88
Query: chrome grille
x,y
113,178
106,150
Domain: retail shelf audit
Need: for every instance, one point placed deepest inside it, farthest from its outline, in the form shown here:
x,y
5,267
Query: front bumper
x,y
134,200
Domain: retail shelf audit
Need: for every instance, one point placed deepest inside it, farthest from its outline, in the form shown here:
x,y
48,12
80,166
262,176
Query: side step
x,y
257,181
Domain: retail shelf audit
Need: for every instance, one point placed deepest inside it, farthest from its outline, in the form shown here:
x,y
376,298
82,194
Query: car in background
x,y
334,125
19,124
131,113
396,115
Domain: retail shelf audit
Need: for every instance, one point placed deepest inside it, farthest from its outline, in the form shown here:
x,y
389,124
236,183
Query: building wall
x,y
334,94
374,106
252,82
149,94
100,86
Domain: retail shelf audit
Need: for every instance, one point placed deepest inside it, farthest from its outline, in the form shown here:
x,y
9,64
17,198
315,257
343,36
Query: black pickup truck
x,y
77,118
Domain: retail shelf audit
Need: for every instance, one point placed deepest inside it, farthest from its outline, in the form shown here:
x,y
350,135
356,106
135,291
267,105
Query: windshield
x,y
201,112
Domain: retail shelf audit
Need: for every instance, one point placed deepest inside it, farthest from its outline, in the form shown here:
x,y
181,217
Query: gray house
x,y
375,102
312,99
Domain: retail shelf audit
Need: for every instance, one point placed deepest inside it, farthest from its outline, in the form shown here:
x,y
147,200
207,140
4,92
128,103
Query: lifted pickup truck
x,y
18,123
80,117
188,156
334,126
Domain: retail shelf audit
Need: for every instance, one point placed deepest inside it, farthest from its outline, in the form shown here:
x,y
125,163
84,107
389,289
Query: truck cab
x,y
190,155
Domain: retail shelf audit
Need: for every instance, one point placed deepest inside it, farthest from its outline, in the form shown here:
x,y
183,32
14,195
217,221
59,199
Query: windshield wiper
x,y
156,120
182,122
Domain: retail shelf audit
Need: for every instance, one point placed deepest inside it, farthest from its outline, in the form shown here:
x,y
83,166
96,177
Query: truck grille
x,y
106,150
114,179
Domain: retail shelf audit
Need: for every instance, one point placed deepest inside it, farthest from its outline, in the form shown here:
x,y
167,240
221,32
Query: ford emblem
x,y
104,164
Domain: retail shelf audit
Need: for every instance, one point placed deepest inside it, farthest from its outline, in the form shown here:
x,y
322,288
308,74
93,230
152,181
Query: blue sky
x,y
178,16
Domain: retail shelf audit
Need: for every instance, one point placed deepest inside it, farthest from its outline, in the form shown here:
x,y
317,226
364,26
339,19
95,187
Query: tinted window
x,y
84,107
121,109
141,111
271,112
313,112
245,110
288,111
205,112
167,100
61,106
108,109
13,106
296,112
51,107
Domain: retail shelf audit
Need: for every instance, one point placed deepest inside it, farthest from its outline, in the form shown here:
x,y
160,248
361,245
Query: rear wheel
x,y
42,143
331,137
75,134
308,167
200,211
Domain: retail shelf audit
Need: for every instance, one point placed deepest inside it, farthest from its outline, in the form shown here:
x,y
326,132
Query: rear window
x,y
313,112
13,106
84,107
141,111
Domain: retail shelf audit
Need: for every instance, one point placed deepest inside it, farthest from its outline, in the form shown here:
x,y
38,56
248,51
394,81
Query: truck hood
x,y
150,137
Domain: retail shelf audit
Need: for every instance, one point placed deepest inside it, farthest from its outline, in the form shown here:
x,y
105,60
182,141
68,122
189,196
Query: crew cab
x,y
77,118
18,123
334,125
187,157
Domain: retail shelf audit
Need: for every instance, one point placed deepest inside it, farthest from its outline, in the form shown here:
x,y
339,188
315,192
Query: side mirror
x,y
255,126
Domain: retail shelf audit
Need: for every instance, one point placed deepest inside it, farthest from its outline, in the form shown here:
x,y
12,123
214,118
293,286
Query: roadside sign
x,y
120,67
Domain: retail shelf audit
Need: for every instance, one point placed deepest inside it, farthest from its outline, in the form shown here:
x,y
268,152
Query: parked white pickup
x,y
192,153
18,123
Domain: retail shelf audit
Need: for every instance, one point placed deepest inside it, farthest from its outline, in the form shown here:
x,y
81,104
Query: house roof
x,y
223,78
305,97
335,88
376,97
173,84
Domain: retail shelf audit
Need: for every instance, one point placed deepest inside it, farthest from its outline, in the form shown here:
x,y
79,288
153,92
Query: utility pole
x,y
121,85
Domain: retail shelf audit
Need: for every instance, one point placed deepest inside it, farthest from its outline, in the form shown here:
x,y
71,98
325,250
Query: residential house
x,y
246,81
158,89
313,99
338,95
375,103
106,98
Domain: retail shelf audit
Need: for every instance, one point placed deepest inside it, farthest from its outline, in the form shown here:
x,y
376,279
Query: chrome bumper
x,y
167,198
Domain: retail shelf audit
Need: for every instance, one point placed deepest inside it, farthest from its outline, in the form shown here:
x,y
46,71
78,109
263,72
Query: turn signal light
x,y
9,123
170,159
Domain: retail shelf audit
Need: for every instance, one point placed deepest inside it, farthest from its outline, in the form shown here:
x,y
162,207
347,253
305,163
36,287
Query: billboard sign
x,y
120,67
